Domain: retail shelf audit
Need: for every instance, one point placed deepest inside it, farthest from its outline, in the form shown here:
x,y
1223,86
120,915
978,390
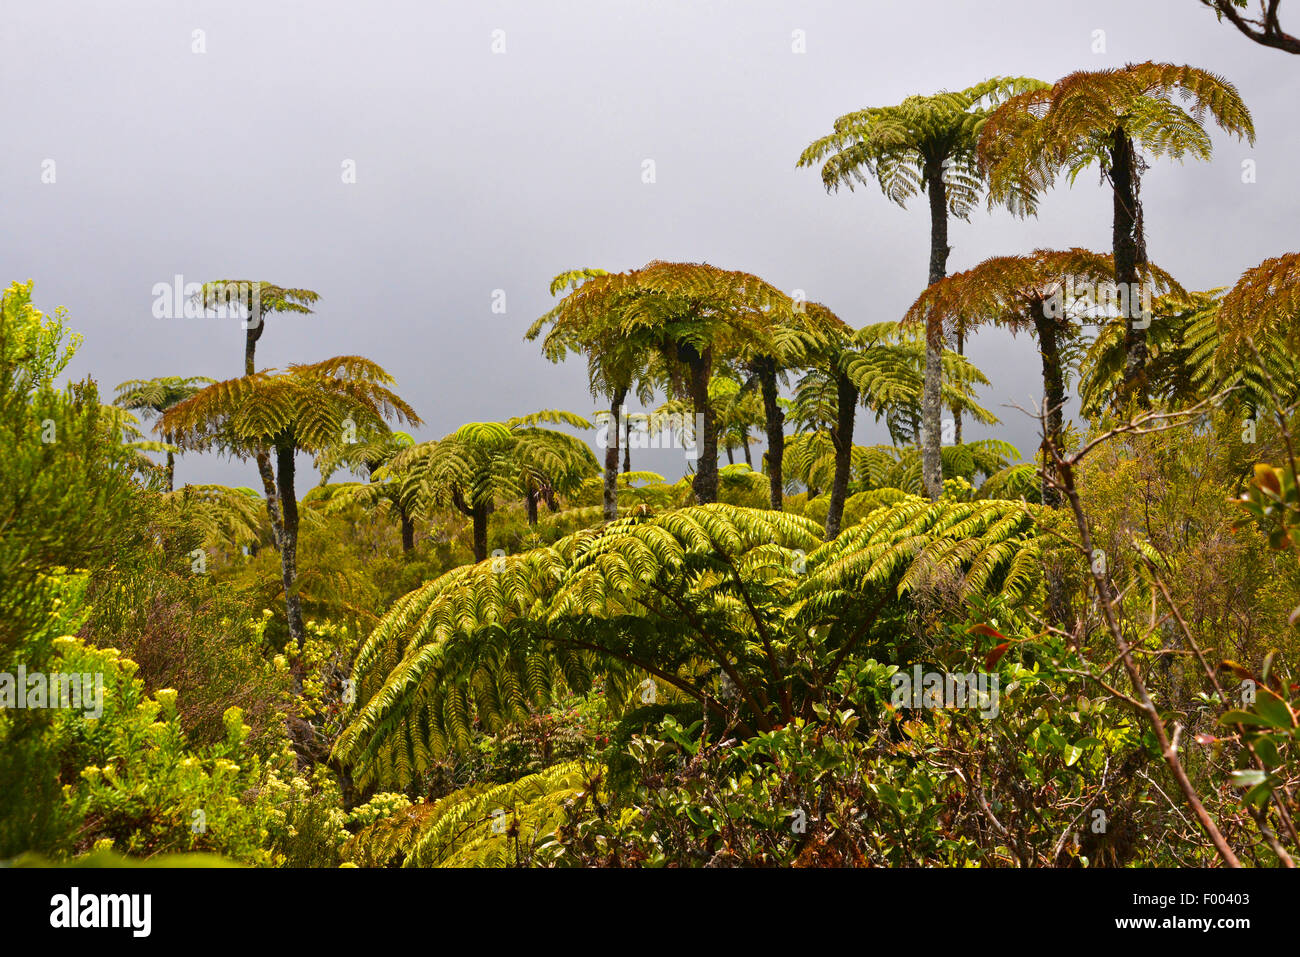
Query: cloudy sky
x,y
498,143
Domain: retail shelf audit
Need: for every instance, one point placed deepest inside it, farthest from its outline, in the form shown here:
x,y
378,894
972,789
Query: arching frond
x,y
485,826
895,145
225,516
688,596
1067,288
1162,108
312,405
1265,302
902,545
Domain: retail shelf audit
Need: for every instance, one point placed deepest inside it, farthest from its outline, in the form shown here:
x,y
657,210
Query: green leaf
x,y
1249,777
1267,751
1259,794
1276,712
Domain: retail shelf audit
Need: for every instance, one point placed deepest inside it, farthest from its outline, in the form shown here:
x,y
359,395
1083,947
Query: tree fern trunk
x,y
408,532
479,514
171,472
272,496
931,398
1127,246
264,470
1059,594
1053,392
956,409
774,425
611,454
530,500
625,438
706,439
289,542
749,459
251,335
842,440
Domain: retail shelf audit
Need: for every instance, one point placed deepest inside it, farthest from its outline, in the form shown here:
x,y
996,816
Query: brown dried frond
x,y
1264,302
1004,290
1161,107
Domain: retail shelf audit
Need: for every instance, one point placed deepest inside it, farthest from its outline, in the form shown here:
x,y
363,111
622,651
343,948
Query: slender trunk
x,y
1129,251
846,395
267,474
171,472
749,459
956,409
1059,595
250,348
706,438
931,399
479,513
938,193
264,469
408,531
627,445
931,426
731,454
774,425
1049,348
530,500
611,454
289,540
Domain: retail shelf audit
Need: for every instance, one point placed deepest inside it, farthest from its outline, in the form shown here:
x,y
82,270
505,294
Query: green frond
x,y
484,826
899,146
682,594
1162,108
313,405
553,416
225,516
267,297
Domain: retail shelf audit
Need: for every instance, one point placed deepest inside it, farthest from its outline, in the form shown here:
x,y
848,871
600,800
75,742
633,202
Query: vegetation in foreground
x,y
495,649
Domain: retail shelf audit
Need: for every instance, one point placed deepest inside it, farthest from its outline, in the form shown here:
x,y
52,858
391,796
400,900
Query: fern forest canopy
x,y
506,642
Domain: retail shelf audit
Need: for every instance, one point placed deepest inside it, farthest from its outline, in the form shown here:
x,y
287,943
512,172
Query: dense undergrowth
x,y
685,686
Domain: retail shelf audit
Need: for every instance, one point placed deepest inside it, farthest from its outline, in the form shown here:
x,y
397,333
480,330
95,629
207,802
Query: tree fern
x,y
1104,118
307,408
709,600
501,825
925,143
482,462
680,318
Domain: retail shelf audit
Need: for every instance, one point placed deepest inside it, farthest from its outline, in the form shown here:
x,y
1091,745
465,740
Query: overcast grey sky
x,y
478,170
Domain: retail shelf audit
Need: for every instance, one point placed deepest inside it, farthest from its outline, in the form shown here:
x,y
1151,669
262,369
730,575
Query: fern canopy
x,y
483,461
1159,107
619,319
743,611
309,407
898,145
1068,286
1197,354
156,396
1264,305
